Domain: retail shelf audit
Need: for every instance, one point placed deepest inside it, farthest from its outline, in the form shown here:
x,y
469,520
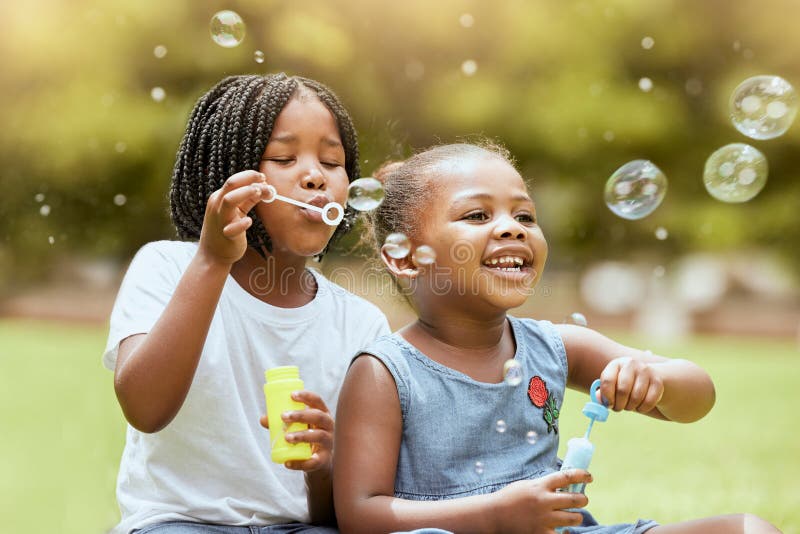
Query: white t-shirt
x,y
212,462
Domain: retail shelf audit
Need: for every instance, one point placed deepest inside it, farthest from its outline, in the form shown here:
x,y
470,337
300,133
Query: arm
x,y
367,443
673,389
155,370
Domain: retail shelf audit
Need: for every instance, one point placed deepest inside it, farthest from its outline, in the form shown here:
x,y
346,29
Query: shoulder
x,y
540,330
160,254
348,302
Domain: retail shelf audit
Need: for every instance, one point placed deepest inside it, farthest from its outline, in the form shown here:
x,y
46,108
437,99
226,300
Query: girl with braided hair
x,y
197,321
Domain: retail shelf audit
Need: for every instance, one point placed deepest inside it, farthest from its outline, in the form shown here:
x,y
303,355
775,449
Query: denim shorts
x,y
189,527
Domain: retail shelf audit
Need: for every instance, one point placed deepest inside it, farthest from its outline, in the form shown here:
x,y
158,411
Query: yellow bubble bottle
x,y
280,382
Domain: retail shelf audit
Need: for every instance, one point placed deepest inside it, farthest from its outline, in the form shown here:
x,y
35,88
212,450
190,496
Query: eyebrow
x,y
487,196
289,138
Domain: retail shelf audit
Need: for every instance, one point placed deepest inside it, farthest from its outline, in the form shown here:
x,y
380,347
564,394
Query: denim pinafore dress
x,y
462,437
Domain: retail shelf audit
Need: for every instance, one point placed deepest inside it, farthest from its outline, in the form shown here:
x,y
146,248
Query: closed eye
x,y
279,161
331,164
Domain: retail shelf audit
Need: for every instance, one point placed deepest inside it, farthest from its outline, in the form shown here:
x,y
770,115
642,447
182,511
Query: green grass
x,y
63,432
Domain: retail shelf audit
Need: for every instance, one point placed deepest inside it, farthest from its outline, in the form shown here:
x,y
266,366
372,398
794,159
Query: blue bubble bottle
x,y
580,450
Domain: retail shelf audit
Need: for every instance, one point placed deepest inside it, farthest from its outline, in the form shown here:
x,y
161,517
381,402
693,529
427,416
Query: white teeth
x,y
506,259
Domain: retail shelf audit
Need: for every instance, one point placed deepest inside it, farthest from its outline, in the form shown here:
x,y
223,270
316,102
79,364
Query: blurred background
x,y
94,98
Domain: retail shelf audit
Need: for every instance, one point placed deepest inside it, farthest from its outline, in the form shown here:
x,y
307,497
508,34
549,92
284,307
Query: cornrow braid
x,y
228,131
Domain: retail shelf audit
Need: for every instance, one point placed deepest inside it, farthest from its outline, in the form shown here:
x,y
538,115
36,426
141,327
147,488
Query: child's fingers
x,y
320,438
625,381
242,178
568,499
608,382
564,518
264,421
233,203
235,228
316,462
562,479
638,392
653,396
311,416
310,399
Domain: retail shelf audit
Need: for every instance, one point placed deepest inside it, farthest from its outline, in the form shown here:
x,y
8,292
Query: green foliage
x,y
556,81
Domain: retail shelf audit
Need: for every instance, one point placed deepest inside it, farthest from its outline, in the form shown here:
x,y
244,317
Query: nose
x,y
313,179
508,227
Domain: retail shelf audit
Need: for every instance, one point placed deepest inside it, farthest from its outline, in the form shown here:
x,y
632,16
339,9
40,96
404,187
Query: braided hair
x,y
228,131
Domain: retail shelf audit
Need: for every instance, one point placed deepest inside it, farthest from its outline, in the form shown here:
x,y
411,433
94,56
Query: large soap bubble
x,y
763,107
227,28
365,194
735,173
635,190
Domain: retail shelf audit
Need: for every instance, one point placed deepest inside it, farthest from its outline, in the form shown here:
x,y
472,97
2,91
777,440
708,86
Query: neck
x,y
462,332
280,280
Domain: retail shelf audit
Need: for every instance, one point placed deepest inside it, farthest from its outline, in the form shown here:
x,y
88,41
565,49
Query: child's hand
x,y
223,237
631,384
534,506
319,433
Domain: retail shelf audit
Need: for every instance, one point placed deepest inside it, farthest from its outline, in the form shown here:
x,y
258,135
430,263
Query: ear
x,y
402,268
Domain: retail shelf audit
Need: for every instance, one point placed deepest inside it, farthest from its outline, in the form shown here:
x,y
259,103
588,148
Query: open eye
x,y
479,215
526,218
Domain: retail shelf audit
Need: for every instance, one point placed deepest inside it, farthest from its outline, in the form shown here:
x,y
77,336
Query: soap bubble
x,y
479,468
531,437
501,426
512,372
258,55
469,67
160,51
735,173
157,94
51,240
763,107
466,20
578,319
120,199
645,84
44,211
661,233
365,194
648,42
39,197
227,28
635,190
397,245
423,255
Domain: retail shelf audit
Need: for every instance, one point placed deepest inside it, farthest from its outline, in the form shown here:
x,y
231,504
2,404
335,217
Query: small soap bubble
x,y
365,194
466,20
44,211
608,135
469,67
578,319
227,28
39,197
645,84
258,56
635,190
763,107
693,86
51,240
512,372
661,233
531,437
397,245
157,94
500,426
648,42
120,199
160,51
423,256
120,147
735,173
479,468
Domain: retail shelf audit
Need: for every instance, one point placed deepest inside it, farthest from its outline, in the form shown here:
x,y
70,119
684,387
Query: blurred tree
x,y
87,151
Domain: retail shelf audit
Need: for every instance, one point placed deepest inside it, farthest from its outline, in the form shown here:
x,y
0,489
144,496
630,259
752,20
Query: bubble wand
x,y
580,450
335,206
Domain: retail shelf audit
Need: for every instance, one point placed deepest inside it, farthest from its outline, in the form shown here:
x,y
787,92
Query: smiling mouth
x,y
512,264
